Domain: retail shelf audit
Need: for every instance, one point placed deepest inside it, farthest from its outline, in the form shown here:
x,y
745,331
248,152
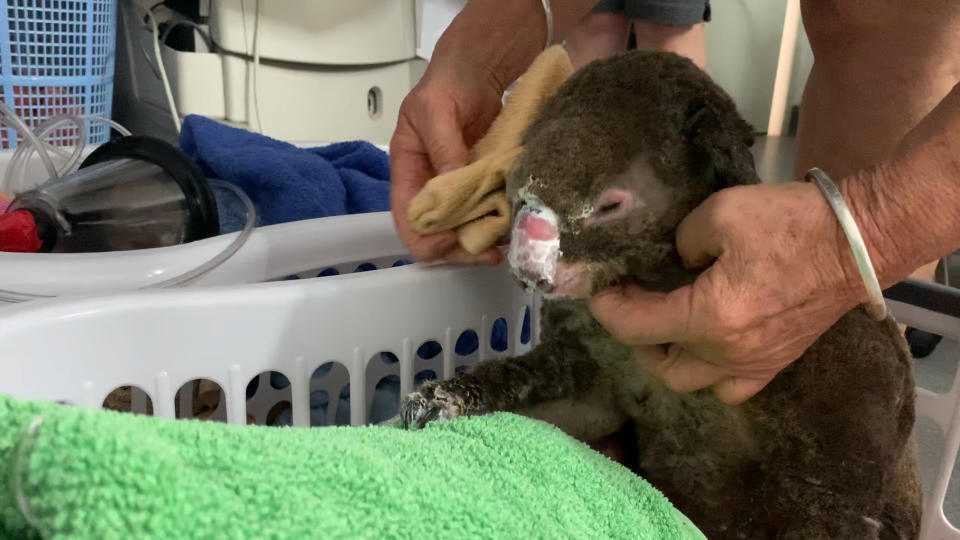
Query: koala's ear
x,y
721,140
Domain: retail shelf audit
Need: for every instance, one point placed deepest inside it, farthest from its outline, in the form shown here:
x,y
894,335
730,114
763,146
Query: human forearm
x,y
503,37
908,208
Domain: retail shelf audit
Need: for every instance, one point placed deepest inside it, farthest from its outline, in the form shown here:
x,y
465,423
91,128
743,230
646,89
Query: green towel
x,y
100,474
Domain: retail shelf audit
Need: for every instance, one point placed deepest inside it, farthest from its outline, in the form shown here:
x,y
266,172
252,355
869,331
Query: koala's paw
x,y
436,401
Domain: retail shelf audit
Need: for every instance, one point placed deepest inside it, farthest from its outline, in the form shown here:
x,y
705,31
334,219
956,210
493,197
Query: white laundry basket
x,y
270,253
935,309
303,249
78,350
160,340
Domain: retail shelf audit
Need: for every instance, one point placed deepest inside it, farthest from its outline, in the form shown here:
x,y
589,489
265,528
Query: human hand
x,y
442,117
781,275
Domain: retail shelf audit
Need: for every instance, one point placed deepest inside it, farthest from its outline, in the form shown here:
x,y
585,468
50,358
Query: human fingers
x,y
700,235
409,170
442,137
637,317
681,370
736,390
490,257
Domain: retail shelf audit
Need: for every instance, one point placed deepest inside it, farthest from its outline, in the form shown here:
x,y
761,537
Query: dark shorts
x,y
674,12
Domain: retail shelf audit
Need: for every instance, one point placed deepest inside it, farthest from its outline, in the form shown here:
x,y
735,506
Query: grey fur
x,y
824,452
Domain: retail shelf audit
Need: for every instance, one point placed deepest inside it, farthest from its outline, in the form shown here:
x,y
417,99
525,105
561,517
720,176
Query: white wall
x,y
743,43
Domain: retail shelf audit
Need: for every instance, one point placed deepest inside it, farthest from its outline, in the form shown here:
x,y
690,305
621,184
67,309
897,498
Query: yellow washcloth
x,y
472,200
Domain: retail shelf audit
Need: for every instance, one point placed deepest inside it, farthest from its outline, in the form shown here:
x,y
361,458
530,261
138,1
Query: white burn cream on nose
x,y
535,246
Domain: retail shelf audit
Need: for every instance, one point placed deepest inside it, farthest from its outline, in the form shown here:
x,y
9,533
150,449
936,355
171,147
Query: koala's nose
x,y
536,228
535,246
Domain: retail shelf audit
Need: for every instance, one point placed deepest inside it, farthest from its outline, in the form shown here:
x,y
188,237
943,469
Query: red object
x,y
18,233
537,228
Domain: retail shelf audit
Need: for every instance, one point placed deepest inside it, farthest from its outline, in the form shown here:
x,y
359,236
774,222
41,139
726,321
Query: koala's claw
x,y
416,410
430,403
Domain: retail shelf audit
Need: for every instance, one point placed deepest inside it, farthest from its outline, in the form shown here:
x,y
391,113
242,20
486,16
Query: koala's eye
x,y
613,203
608,208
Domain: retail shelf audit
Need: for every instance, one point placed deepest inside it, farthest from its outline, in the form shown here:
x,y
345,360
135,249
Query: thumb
x,y
637,317
444,145
736,390
699,240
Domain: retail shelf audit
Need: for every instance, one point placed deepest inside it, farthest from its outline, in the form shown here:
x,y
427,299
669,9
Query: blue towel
x,y
287,183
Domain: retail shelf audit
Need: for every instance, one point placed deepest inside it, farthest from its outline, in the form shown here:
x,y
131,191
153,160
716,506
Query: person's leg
x,y
879,69
602,33
676,27
686,41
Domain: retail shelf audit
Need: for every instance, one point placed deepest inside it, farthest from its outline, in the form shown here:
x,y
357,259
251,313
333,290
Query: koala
x,y
624,150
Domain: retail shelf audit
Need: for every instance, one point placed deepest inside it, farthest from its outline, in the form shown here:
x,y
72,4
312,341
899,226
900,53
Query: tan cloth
x,y
472,200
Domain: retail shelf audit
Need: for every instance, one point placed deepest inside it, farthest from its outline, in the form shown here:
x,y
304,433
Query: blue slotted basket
x,y
57,57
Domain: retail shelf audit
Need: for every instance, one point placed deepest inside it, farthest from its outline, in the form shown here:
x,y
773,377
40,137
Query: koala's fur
x,y
824,452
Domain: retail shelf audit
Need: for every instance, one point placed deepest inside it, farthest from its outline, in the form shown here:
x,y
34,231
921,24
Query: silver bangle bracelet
x,y
549,15
876,306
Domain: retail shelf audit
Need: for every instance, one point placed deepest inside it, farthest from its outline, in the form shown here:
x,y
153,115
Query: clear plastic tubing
x,y
16,169
228,251
13,297
28,136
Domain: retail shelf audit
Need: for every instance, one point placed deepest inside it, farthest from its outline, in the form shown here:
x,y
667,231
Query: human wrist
x,y
909,205
871,292
831,256
501,38
868,196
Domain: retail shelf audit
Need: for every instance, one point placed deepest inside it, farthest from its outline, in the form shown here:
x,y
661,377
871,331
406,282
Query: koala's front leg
x,y
550,371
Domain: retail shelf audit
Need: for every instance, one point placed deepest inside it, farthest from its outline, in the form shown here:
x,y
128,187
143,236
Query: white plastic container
x,y
160,340
327,70
274,252
359,32
78,350
943,408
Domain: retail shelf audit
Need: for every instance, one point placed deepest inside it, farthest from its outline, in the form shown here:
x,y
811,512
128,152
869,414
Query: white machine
x,y
293,70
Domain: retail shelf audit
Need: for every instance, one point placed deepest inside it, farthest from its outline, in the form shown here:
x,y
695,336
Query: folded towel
x,y
287,183
4,202
472,200
81,473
